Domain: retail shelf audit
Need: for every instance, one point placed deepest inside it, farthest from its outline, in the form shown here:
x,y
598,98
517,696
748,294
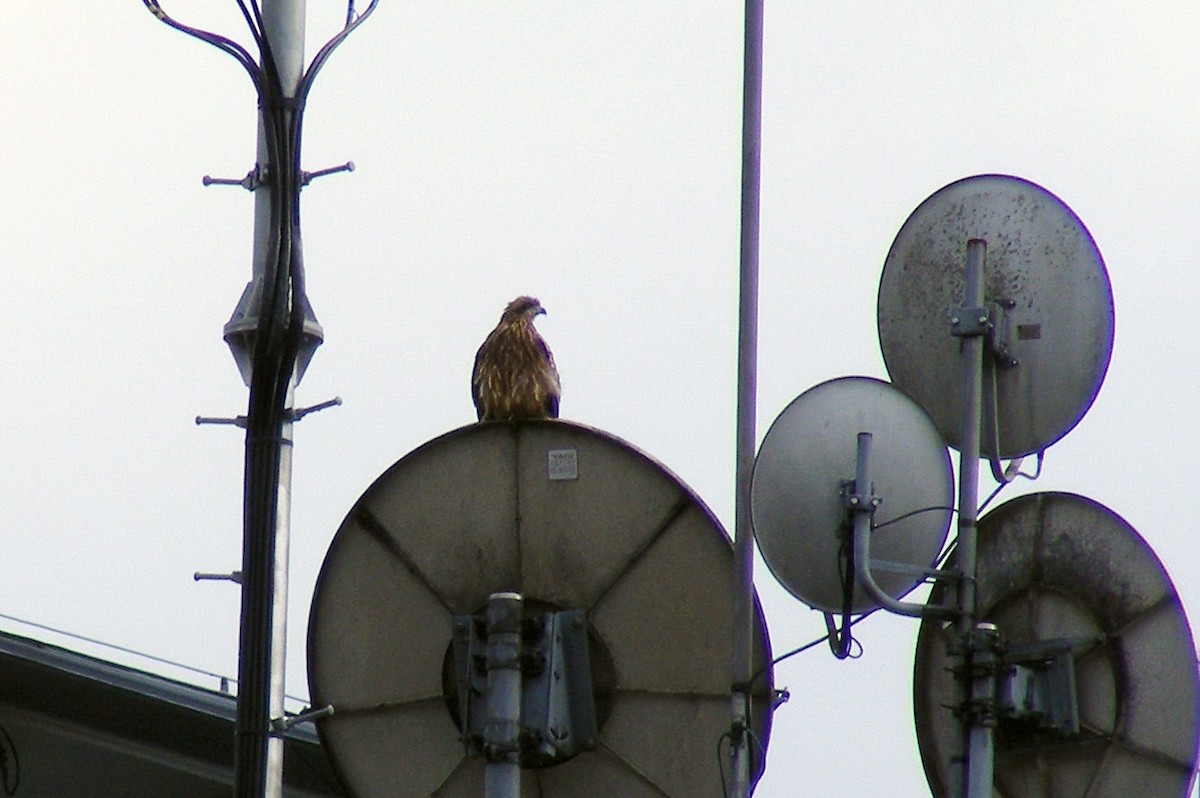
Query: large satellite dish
x,y
1061,566
1048,294
796,496
572,518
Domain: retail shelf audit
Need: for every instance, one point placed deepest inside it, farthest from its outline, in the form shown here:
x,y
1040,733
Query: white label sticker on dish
x,y
562,464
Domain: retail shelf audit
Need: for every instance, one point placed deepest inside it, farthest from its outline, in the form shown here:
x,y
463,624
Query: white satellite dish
x,y
796,490
1057,566
569,517
1046,290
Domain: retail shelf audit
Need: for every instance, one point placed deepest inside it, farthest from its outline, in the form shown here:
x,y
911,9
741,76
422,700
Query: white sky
x,y
587,153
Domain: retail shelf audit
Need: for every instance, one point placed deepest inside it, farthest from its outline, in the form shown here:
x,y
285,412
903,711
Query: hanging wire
x,y
222,43
726,736
253,22
1011,473
353,20
899,518
841,641
252,14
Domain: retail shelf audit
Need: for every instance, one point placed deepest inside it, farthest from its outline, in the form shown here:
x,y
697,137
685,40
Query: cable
x,y
135,652
1010,476
758,747
809,645
226,45
721,763
278,334
253,22
113,646
841,641
899,518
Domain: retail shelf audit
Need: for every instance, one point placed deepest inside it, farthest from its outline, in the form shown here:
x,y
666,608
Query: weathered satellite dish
x,y
796,489
1057,565
570,517
1048,290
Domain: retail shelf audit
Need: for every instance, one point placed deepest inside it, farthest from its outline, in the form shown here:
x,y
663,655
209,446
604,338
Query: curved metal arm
x,y
862,505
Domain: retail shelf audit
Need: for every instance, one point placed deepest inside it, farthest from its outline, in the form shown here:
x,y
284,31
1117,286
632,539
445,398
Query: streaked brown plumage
x,y
514,376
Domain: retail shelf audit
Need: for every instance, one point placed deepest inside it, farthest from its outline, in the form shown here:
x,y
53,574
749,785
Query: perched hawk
x,y
514,376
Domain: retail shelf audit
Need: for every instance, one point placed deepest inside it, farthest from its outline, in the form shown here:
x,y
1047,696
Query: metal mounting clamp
x,y
969,322
254,179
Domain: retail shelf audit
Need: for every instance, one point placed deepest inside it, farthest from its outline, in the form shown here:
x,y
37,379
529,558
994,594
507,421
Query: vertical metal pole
x,y
862,489
284,24
981,733
502,772
258,758
743,603
274,777
976,777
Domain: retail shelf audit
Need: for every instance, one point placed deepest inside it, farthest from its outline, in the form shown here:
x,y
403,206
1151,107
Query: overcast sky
x,y
586,153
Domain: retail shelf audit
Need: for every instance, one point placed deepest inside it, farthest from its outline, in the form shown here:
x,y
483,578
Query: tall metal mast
x,y
258,755
272,335
743,619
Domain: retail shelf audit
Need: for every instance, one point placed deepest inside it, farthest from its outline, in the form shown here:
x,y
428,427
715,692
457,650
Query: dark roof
x,y
45,686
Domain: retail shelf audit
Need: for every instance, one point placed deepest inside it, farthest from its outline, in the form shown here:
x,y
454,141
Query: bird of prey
x,y
514,376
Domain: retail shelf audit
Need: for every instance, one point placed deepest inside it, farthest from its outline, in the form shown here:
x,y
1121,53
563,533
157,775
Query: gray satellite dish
x,y
1049,298
571,518
796,498
1061,566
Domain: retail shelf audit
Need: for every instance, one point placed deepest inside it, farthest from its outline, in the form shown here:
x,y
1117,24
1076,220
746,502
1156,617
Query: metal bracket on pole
x,y
1035,688
260,176
556,713
301,412
280,726
307,177
292,415
254,179
235,577
981,648
993,322
970,322
237,421
1000,333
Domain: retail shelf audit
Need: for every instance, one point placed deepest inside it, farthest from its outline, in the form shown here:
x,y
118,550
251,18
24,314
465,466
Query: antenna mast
x,y
258,755
743,584
272,334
